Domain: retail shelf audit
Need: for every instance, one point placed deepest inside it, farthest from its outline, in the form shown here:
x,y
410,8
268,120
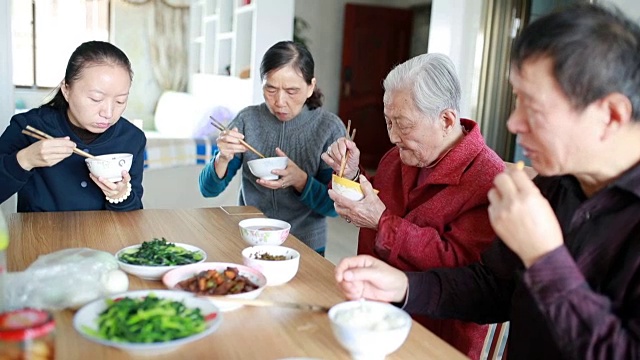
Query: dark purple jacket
x,y
581,301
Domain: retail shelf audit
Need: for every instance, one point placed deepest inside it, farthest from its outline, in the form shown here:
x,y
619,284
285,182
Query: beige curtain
x,y
168,40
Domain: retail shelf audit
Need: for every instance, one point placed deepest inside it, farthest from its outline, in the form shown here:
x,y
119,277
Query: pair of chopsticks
x,y
35,133
266,303
343,163
218,125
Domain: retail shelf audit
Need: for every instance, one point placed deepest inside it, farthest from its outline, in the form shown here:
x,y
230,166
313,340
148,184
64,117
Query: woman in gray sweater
x,y
289,123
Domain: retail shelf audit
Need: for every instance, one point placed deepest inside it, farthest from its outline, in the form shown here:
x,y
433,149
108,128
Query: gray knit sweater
x,y
303,139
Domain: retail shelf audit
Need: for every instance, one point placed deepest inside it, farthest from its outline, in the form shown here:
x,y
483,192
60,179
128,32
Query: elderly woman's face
x,y
419,139
285,92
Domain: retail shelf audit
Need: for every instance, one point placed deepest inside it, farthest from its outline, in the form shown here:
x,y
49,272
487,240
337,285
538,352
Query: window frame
x,y
34,70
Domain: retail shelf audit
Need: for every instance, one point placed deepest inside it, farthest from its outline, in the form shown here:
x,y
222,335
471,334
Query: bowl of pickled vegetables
x,y
152,259
279,264
147,322
219,282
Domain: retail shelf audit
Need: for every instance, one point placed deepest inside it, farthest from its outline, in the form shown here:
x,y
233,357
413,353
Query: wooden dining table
x,y
245,333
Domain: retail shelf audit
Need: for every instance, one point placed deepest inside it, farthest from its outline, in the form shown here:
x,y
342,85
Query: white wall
x,y
6,77
326,24
455,25
631,8
6,81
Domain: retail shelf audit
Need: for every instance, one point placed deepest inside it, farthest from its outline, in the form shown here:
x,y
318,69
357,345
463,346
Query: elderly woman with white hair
x,y
431,210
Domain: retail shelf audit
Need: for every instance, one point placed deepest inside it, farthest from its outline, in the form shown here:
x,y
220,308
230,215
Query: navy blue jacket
x,y
66,186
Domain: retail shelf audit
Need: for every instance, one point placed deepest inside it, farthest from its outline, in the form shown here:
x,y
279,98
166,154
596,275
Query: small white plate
x,y
87,316
153,272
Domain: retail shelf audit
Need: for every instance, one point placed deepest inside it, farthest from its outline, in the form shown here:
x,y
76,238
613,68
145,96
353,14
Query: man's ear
x,y
619,110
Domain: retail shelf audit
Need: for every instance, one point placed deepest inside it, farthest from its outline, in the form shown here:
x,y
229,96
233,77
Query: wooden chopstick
x,y
266,303
221,127
35,133
343,163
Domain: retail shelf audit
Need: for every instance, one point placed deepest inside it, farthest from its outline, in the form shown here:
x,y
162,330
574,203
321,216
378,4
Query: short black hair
x,y
595,52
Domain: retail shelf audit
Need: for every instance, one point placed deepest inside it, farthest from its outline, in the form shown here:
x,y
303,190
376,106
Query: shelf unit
x,y
229,37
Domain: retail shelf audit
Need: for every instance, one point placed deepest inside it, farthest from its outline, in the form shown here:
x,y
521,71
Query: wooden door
x,y
375,39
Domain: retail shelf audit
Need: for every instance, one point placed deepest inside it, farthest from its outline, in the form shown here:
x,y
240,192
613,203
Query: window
x,y
45,33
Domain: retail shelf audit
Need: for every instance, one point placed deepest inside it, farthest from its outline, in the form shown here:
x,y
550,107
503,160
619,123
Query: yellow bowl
x,y
347,188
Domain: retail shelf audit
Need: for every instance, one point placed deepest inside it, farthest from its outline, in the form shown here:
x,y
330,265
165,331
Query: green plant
x,y
300,25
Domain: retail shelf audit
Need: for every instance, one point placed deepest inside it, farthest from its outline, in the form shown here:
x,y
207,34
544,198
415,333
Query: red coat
x,y
442,222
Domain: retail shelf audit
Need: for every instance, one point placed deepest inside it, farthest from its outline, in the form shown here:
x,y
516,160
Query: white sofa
x,y
180,116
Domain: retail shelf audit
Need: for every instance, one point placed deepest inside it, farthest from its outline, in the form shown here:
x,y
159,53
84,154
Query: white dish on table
x,y
277,272
369,329
88,315
149,272
264,231
173,277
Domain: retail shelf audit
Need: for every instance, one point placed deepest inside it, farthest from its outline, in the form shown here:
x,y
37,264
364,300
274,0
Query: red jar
x,y
27,334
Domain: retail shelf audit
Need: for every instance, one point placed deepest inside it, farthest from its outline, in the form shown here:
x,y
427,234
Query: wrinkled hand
x,y
228,143
45,153
292,175
522,217
113,190
362,213
367,277
335,152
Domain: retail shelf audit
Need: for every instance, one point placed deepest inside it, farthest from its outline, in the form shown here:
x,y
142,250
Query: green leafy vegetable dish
x,y
160,252
147,320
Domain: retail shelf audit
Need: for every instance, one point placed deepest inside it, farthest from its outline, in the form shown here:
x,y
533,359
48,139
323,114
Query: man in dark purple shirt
x,y
566,269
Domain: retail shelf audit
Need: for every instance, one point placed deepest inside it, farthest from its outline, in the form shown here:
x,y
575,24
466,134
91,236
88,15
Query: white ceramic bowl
x,y
369,329
173,277
347,188
264,231
277,272
87,317
262,167
152,272
110,166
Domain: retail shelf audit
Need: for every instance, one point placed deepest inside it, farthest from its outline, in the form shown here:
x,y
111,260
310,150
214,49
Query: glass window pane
x,y
60,26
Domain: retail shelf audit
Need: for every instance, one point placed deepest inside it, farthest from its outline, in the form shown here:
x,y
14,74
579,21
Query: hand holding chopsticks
x,y
351,136
35,133
218,125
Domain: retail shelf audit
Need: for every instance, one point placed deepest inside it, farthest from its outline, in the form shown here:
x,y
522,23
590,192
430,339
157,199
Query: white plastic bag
x,y
67,278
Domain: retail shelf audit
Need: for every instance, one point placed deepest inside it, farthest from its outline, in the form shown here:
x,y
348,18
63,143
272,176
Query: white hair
x,y
432,80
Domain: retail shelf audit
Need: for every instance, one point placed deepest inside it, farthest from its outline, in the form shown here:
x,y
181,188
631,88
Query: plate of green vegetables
x,y
147,322
152,259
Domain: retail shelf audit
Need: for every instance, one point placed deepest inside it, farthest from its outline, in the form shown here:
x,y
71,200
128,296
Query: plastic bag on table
x,y
67,278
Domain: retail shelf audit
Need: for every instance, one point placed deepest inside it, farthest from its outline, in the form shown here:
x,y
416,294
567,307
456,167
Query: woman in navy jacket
x,y
84,113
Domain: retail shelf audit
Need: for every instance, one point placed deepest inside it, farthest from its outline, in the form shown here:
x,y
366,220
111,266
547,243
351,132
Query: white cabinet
x,y
229,37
